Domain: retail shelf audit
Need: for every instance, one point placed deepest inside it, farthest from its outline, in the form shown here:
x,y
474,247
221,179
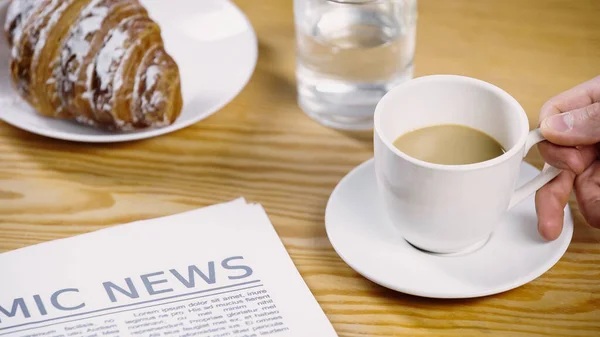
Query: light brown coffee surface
x,y
449,144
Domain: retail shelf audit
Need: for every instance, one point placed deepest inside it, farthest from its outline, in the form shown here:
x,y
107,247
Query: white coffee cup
x,y
451,208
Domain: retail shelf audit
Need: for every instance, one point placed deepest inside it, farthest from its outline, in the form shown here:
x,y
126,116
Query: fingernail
x,y
560,123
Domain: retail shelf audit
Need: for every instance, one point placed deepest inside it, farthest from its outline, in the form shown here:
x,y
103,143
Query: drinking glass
x,y
350,53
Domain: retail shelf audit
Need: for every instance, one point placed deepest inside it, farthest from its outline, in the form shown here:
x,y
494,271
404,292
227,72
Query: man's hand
x,y
571,124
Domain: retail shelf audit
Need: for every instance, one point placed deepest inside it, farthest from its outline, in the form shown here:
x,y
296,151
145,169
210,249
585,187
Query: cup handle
x,y
547,174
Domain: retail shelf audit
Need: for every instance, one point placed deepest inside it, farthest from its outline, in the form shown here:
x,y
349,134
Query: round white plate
x,y
361,234
213,43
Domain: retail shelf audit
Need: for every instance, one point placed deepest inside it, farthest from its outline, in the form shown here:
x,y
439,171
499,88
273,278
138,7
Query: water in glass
x,y
349,54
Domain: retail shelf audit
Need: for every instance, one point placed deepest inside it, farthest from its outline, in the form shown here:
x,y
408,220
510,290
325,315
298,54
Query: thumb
x,y
574,128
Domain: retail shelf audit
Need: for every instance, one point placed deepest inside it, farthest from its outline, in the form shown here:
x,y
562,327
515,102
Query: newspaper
x,y
217,271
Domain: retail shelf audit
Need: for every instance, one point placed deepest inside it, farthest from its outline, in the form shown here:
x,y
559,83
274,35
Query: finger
x,y
575,127
577,97
550,202
568,158
587,191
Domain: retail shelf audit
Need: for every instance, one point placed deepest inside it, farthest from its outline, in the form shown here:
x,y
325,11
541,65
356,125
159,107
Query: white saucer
x,y
213,43
364,238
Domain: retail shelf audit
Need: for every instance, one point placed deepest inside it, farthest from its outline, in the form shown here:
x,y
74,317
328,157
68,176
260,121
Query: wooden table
x,y
263,147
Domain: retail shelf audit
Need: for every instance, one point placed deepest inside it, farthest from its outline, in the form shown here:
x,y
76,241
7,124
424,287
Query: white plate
x,y
364,238
213,43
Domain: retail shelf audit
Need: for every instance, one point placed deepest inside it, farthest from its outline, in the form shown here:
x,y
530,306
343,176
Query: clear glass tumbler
x,y
349,54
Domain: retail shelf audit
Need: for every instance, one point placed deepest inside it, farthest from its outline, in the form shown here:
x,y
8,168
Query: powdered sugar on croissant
x,y
99,62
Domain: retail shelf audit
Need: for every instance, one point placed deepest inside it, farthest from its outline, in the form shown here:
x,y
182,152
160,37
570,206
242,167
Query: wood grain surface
x,y
263,147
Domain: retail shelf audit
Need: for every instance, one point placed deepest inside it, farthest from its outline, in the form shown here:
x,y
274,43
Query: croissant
x,y
100,63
